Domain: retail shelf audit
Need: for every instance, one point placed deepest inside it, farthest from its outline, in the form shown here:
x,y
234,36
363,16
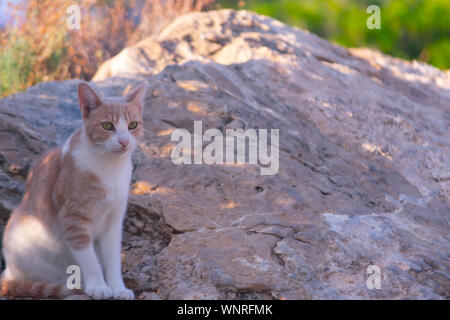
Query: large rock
x,y
364,174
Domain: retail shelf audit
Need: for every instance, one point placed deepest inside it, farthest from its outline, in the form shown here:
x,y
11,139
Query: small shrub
x,y
37,45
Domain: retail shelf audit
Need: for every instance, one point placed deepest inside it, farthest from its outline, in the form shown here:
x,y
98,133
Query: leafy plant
x,y
37,45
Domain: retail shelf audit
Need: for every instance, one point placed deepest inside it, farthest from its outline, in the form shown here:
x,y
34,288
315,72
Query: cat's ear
x,y
137,96
89,99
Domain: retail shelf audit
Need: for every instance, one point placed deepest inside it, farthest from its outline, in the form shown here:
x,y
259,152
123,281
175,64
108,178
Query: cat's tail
x,y
33,289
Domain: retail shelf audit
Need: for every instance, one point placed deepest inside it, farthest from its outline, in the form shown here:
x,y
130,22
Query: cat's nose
x,y
124,142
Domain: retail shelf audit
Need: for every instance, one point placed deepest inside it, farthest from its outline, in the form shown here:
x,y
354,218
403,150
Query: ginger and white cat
x,y
74,205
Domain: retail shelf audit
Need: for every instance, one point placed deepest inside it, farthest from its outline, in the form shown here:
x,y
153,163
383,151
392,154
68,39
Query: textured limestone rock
x,y
364,175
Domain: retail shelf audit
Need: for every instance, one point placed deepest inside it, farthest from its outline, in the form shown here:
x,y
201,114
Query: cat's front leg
x,y
91,272
77,231
110,254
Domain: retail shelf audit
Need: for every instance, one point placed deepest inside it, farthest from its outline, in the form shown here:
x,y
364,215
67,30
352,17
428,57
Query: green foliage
x,y
410,29
15,66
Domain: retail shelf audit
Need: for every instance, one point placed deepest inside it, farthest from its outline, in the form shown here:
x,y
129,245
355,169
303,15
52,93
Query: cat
x,y
74,205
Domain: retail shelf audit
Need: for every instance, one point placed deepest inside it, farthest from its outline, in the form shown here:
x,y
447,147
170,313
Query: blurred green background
x,y
410,29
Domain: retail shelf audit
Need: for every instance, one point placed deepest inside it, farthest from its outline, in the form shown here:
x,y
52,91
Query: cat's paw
x,y
99,292
122,293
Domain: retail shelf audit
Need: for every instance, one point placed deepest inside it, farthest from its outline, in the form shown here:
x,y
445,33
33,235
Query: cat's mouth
x,y
120,151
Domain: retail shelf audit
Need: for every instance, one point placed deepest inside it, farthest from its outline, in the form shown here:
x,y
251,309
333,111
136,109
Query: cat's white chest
x,y
115,179
114,173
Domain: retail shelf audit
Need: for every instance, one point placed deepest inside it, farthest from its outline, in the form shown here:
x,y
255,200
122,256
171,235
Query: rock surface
x,y
364,174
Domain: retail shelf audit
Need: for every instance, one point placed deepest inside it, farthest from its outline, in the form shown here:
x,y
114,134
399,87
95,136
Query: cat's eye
x,y
132,125
107,126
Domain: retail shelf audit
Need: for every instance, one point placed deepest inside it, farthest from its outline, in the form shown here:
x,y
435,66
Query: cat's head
x,y
113,125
